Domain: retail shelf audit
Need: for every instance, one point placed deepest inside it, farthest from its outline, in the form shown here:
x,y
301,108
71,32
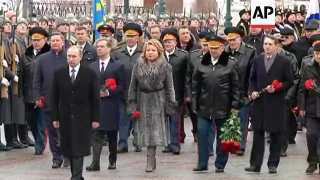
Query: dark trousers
x,y
97,144
257,152
193,118
313,128
205,126
54,139
76,164
36,122
290,129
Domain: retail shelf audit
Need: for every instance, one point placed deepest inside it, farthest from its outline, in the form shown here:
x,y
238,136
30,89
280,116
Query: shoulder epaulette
x,y
249,46
183,50
196,50
307,57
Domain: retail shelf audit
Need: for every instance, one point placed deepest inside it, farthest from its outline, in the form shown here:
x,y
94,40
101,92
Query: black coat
x,y
89,54
269,110
110,114
216,89
255,41
27,69
309,100
75,106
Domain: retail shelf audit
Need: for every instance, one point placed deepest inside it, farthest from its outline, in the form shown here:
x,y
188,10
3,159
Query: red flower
x,y
295,110
309,83
110,82
225,146
276,84
136,115
113,87
41,102
236,146
41,105
42,98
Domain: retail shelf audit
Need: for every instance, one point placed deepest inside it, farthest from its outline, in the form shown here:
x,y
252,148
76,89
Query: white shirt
x,y
81,47
106,62
75,68
35,52
214,61
168,54
131,50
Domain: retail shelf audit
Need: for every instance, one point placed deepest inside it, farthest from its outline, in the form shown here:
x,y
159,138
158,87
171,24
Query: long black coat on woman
x,y
269,110
75,106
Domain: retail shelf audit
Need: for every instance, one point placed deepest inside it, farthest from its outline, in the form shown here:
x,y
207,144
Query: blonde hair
x,y
153,42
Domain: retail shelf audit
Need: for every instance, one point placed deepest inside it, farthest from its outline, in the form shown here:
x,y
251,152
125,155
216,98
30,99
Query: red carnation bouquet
x,y
41,102
136,115
311,84
110,84
295,112
275,84
231,134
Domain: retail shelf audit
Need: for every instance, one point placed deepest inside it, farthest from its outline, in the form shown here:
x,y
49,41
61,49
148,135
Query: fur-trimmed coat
x,y
152,93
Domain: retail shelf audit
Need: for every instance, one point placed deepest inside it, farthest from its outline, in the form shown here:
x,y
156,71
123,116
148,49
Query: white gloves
x,y
16,78
5,64
5,82
16,59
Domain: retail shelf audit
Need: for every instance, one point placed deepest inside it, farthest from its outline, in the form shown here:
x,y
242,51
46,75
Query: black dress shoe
x,y
23,145
122,150
291,141
219,170
15,145
283,154
176,152
4,148
311,169
137,149
93,167
272,170
56,165
27,141
195,137
38,152
166,150
112,166
200,169
252,169
240,153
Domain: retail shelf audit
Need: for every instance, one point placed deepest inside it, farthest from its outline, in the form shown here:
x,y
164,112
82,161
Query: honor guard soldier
x,y
127,54
139,20
63,28
243,54
211,22
244,23
110,21
27,66
290,23
87,23
52,22
119,27
44,23
278,24
300,23
20,37
33,22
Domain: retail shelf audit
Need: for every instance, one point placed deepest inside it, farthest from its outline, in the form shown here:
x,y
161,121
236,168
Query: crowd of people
x,y
83,95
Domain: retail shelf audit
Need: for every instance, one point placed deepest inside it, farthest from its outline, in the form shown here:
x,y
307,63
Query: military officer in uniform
x,y
243,54
128,55
107,31
34,117
278,25
244,23
63,28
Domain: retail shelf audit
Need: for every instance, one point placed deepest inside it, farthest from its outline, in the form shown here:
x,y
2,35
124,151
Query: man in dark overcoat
x,y
269,108
107,68
75,109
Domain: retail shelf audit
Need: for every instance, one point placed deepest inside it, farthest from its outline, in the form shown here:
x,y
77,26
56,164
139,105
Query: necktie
x,y
268,58
73,75
102,67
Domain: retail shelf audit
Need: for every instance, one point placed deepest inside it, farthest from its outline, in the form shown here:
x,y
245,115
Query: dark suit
x,y
110,114
75,105
89,54
269,110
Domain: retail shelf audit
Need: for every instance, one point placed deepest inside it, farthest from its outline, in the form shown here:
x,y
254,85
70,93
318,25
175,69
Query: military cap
x,y
22,21
118,17
215,41
61,21
194,18
74,21
6,20
311,27
287,32
105,29
84,20
278,12
38,33
314,39
33,20
44,18
152,17
289,13
233,32
166,16
243,11
32,15
316,47
203,35
110,18
139,18
169,34
132,29
70,16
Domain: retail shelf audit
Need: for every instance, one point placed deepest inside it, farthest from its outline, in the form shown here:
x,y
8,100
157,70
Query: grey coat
x,y
152,93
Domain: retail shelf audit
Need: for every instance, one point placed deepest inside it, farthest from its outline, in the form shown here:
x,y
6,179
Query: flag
x,y
99,16
313,11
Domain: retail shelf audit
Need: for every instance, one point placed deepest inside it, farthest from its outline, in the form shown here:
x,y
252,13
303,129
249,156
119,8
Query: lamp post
x,y
162,8
126,6
228,16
